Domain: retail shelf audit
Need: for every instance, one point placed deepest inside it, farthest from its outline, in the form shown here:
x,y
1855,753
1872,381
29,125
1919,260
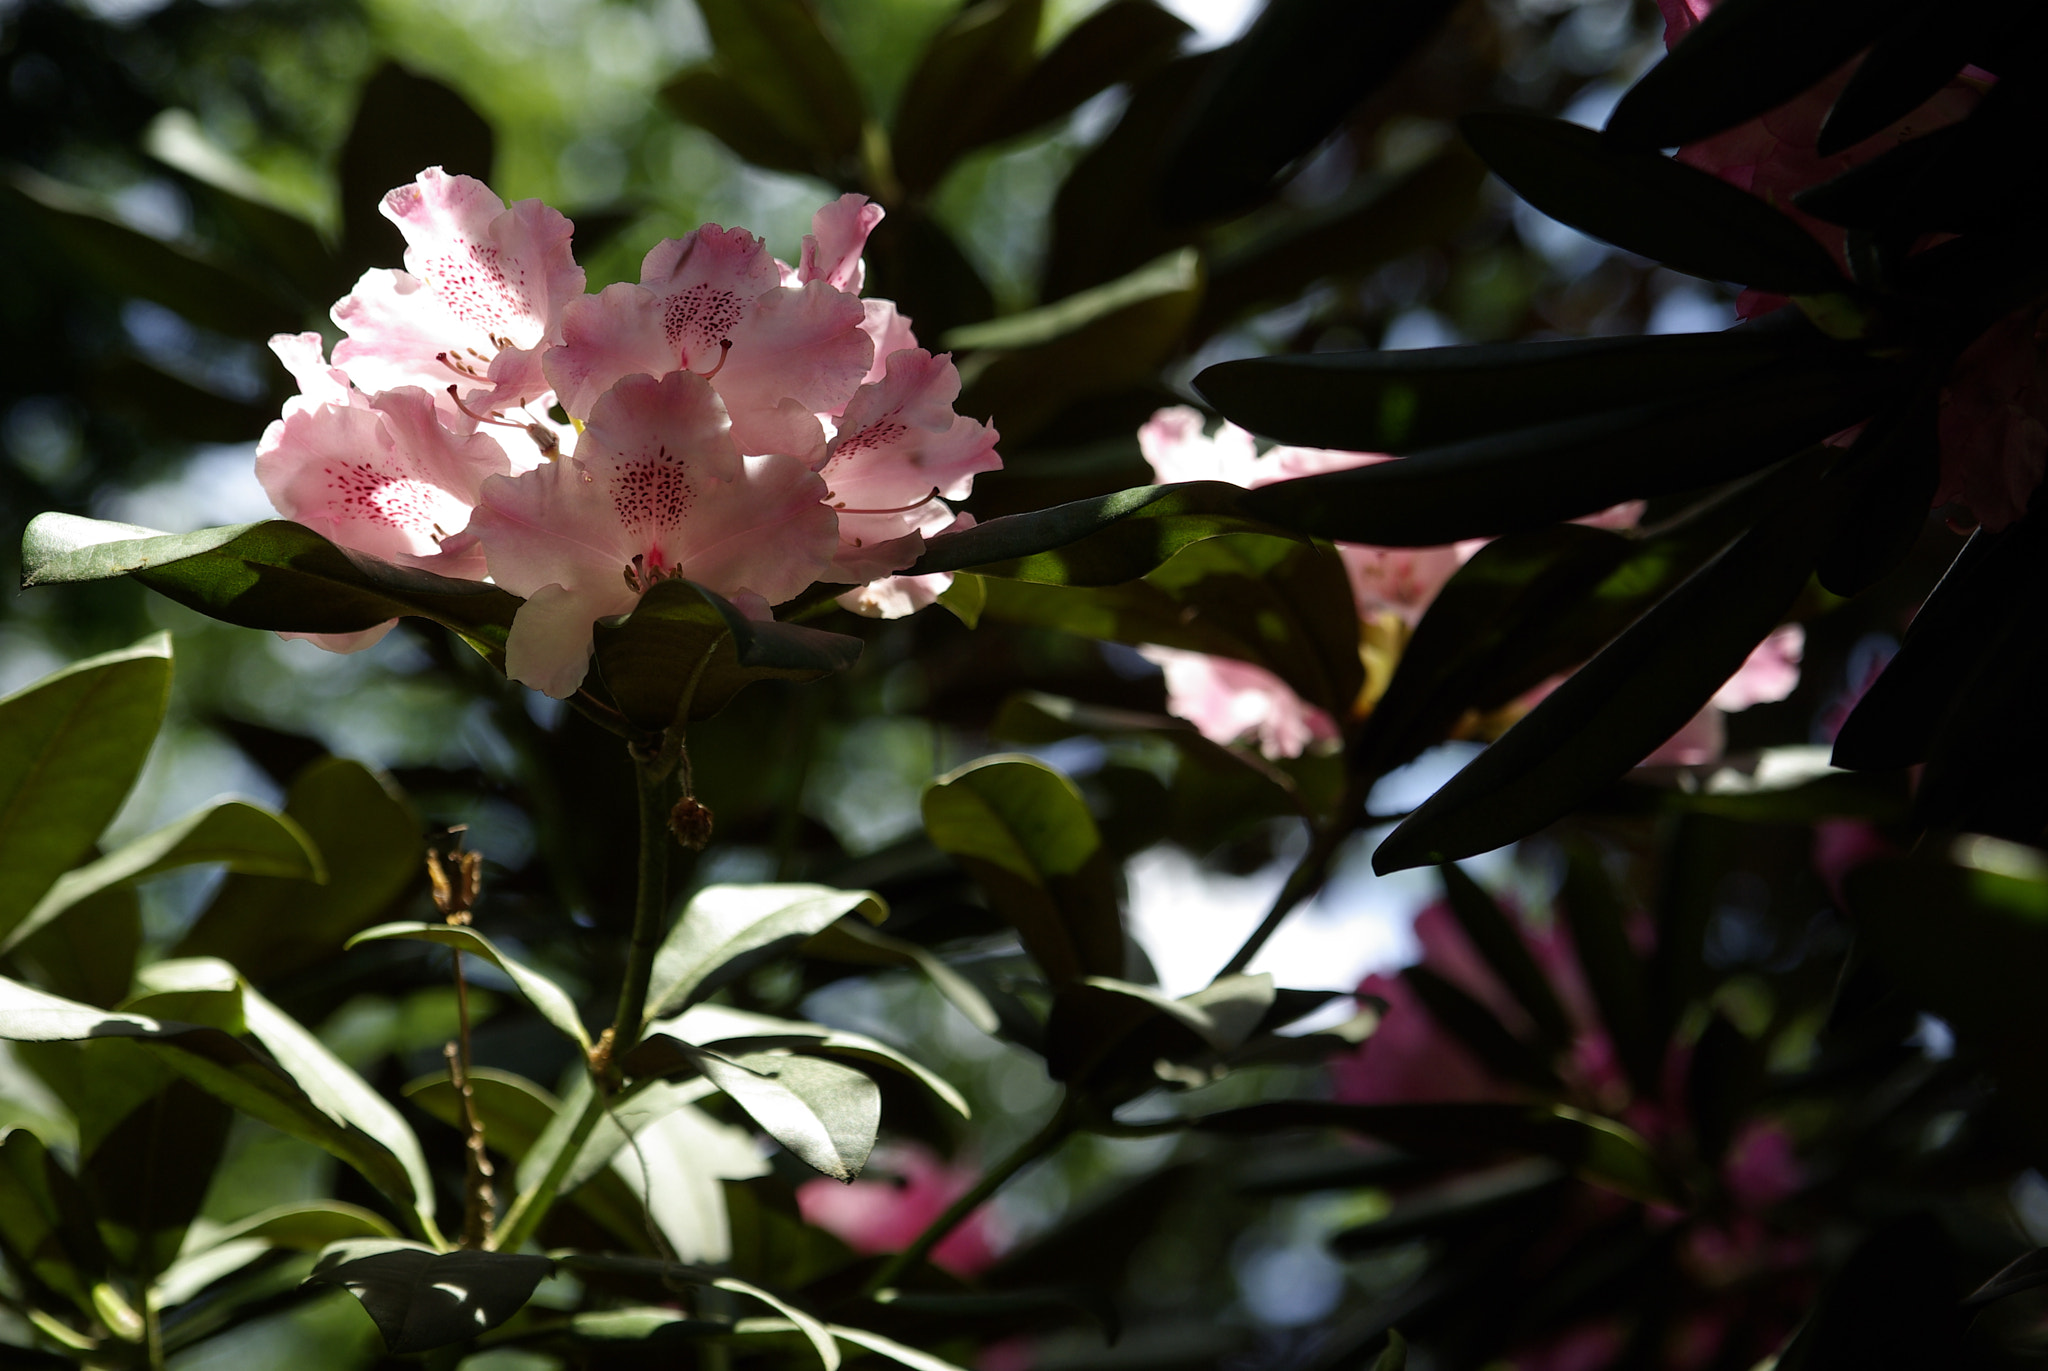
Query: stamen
x,y
543,437
724,351
918,503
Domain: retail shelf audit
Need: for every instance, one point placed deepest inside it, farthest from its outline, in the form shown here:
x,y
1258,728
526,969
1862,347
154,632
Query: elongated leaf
x,y
1921,54
1448,1210
1744,58
272,574
1648,204
1598,920
1281,90
845,940
1403,402
1511,482
370,842
146,1177
667,1272
1493,932
308,1226
32,1222
1106,1033
968,70
727,928
824,1113
712,100
243,837
1122,40
686,643
70,747
1480,1032
2022,1273
404,122
1024,833
735,1030
775,52
1889,478
1598,1150
421,1299
552,1002
1622,704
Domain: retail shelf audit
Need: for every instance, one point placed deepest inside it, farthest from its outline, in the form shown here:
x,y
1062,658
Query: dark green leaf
x,y
848,940
1910,63
1892,1303
1117,43
70,747
915,261
2024,1273
1281,90
551,1001
307,1226
1598,921
1494,933
1598,1150
713,101
33,1232
1448,1210
1403,402
1394,1357
725,929
1103,541
239,835
1521,480
1687,219
1720,1085
824,1113
89,954
148,1174
1475,1027
1745,58
1889,478
1619,707
685,646
737,1030
240,198
1105,1034
1024,833
273,574
968,71
670,1272
170,407
404,123
421,1299
775,52
370,841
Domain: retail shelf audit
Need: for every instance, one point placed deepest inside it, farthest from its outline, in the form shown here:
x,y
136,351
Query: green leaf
x,y
775,52
1598,918
272,574
146,1177
713,101
1282,89
1275,602
1117,43
725,929
403,122
1024,833
1889,477
846,940
421,1299
1102,342
1105,1034
1395,1355
684,645
888,1347
550,1000
1600,1151
239,196
668,1272
71,745
1744,59
1407,401
1475,1027
1103,541
240,835
1918,56
1449,1211
370,841
824,1113
731,1030
1620,706
307,1226
1645,203
1523,479
33,1224
968,71
1494,933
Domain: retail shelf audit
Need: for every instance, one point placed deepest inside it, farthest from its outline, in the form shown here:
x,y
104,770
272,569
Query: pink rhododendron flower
x,y
481,296
1232,701
656,489
873,1216
895,597
1994,421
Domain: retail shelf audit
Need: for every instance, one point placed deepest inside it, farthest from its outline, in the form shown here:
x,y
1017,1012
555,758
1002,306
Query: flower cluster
x,y
752,426
1232,701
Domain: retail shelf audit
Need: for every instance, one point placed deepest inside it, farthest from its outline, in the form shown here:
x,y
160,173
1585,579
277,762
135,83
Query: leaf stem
x,y
650,904
1055,1131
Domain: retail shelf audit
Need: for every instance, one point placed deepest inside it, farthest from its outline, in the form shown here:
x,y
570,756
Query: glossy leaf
x,y
1494,934
370,842
1105,1034
736,1030
1618,708
845,940
1024,833
241,836
968,71
89,954
1600,1151
307,1227
1409,401
775,52
71,745
421,1299
1103,541
146,1177
824,1113
1515,481
1746,57
551,1001
1120,41
725,929
1889,476
668,1272
1648,204
272,574
1281,90
684,645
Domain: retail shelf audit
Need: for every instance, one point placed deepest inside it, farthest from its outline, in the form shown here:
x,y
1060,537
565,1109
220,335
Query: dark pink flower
x,y
873,1216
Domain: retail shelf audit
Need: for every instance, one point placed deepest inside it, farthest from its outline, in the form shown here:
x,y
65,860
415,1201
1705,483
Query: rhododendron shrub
x,y
749,426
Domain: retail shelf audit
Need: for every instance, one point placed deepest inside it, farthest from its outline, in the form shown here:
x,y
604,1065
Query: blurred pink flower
x,y
872,1216
1761,1168
1232,701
